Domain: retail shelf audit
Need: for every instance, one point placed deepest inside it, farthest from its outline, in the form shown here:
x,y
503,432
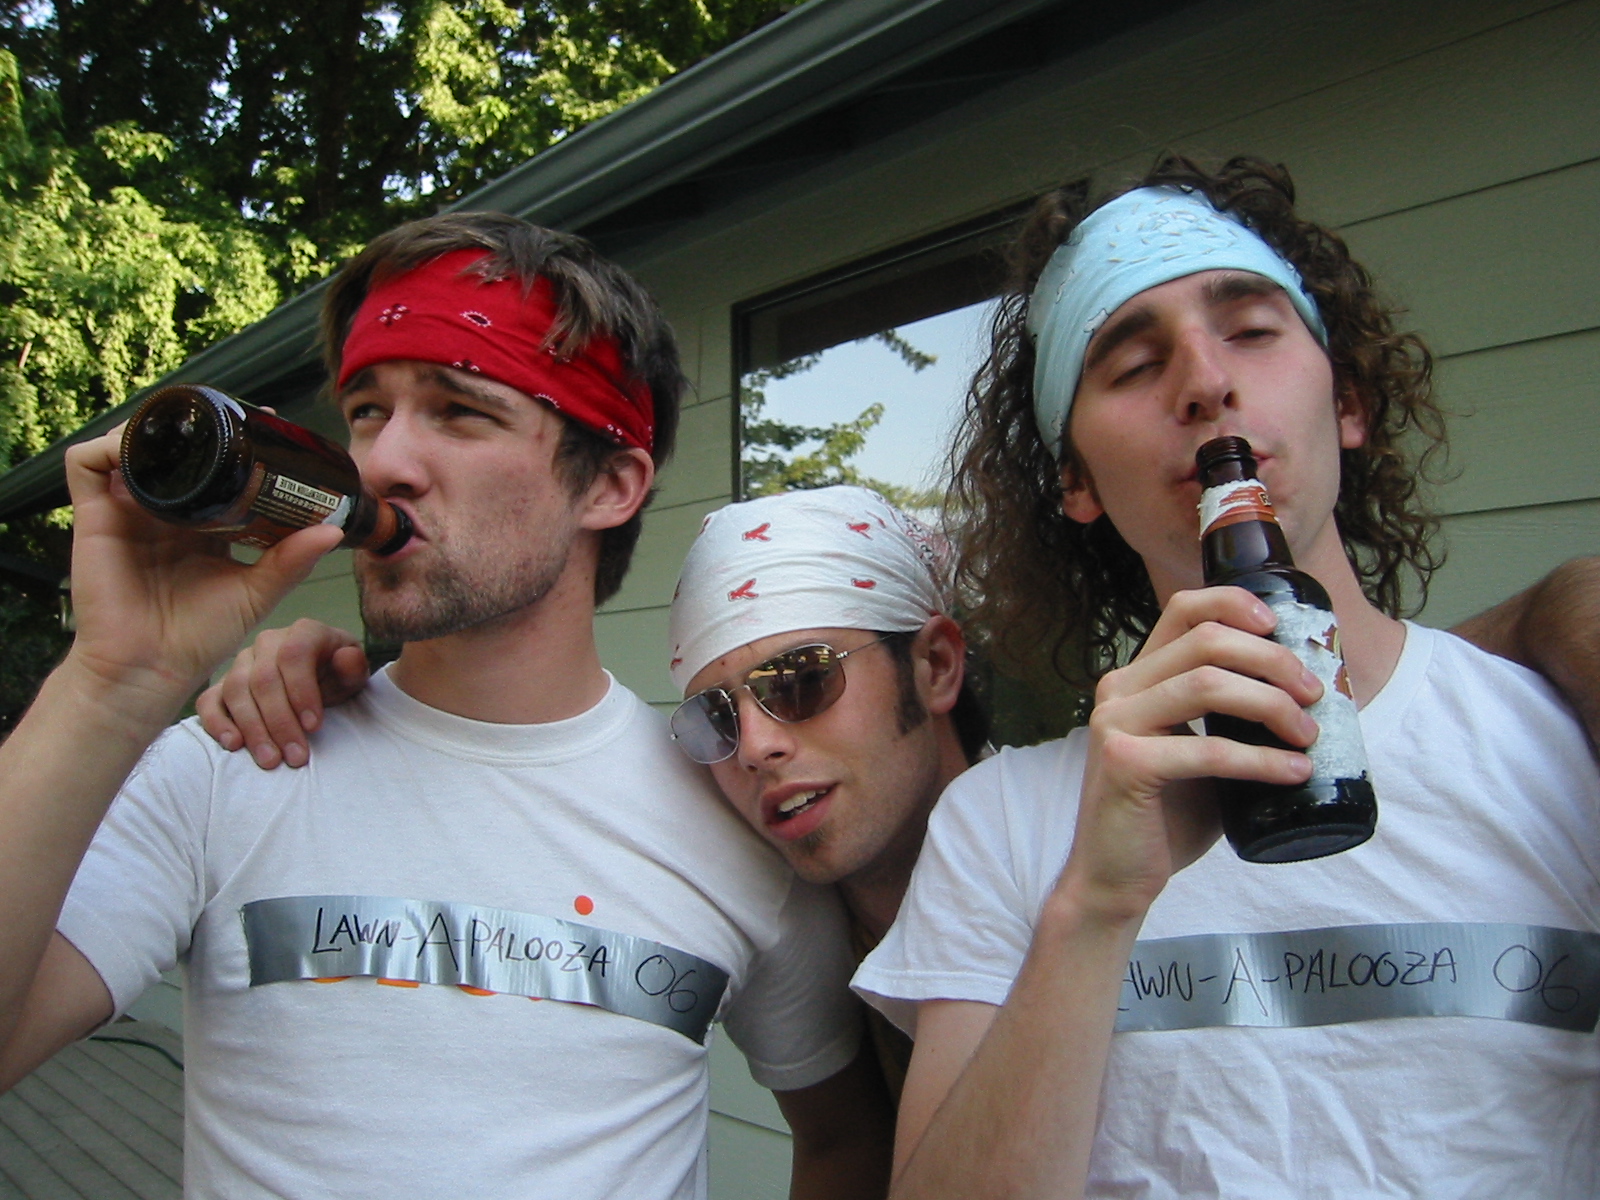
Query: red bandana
x,y
441,313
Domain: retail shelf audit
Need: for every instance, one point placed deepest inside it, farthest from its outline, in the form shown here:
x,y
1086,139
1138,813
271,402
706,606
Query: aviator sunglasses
x,y
793,686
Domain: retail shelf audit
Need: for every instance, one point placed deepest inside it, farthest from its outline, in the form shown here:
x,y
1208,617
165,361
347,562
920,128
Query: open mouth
x,y
798,803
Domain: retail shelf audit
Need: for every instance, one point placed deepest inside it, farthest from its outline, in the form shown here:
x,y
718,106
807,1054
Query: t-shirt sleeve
x,y
795,1019
140,888
996,842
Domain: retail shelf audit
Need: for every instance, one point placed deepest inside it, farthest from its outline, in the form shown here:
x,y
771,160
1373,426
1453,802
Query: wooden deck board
x,y
103,1120
153,1134
24,1175
104,1086
46,1139
140,1069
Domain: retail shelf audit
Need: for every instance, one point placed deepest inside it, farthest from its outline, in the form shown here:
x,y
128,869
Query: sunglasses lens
x,y
706,727
799,684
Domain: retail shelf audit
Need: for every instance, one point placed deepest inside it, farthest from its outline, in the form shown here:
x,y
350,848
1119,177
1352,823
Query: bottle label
x,y
1230,503
1313,635
295,504
293,490
341,512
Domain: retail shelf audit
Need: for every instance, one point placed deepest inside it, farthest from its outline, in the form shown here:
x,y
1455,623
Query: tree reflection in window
x,y
779,455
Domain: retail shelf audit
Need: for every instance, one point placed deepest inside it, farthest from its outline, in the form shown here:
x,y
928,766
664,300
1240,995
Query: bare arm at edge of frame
x,y
843,1133
1552,627
157,608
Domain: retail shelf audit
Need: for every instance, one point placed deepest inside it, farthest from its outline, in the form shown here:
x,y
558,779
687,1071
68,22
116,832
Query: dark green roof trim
x,y
816,56
820,54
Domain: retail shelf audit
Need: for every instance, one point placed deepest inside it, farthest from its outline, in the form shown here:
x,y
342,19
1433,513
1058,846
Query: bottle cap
x,y
403,529
1221,449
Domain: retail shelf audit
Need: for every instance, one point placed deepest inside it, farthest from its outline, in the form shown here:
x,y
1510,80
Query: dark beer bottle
x,y
1242,544
195,456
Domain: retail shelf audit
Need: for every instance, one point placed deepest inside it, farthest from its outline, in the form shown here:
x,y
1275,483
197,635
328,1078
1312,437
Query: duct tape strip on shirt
x,y
1528,973
446,942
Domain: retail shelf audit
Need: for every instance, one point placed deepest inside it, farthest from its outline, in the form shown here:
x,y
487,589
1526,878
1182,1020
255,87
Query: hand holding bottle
x,y
1147,806
158,606
1242,544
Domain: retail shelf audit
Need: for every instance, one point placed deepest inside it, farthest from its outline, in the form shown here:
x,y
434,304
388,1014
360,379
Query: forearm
x,y
60,768
854,1171
1020,1120
843,1133
1553,628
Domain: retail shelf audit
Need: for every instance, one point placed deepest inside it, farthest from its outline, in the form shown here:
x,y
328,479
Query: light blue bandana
x,y
1136,242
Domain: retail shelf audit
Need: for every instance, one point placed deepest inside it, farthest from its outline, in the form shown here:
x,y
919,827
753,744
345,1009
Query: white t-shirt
x,y
354,1088
1489,811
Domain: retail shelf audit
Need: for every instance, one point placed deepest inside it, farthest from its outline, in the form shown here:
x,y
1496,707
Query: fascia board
x,y
817,56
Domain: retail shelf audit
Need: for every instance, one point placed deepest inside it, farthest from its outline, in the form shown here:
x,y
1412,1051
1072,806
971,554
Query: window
x,y
859,376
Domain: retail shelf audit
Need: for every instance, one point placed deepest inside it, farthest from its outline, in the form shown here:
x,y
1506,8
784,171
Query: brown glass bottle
x,y
195,456
1242,544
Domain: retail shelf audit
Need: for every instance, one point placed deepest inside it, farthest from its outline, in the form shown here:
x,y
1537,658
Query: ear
x,y
1078,498
619,490
941,662
1352,414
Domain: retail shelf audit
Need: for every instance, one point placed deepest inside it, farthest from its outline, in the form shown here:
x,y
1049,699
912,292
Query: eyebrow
x,y
1129,325
363,379
450,383
360,381
1239,285
1235,285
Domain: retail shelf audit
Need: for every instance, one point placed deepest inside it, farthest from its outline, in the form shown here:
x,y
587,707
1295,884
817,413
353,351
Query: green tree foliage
x,y
326,123
772,459
102,291
172,169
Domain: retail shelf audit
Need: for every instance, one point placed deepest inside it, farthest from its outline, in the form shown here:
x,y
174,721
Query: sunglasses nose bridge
x,y
763,735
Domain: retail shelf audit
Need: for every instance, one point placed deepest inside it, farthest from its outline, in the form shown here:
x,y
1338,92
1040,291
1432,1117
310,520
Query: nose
x,y
390,459
764,740
1203,387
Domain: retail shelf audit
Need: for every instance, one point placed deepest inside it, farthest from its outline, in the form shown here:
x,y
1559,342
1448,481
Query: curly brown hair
x,y
1032,577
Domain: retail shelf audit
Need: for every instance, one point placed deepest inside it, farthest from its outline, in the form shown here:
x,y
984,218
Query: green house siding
x,y
1457,146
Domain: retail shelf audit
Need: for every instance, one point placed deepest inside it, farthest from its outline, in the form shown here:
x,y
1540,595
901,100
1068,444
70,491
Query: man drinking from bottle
x,y
478,946
1107,1000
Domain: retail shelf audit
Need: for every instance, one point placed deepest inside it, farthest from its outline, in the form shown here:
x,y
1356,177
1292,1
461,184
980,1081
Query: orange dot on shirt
x,y
584,905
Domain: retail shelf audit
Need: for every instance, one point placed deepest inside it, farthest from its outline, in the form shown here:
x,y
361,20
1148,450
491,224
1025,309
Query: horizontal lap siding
x,y
1501,283
1524,423
1495,553
1457,144
632,627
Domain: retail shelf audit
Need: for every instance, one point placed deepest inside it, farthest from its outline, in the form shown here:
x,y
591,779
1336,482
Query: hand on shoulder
x,y
275,692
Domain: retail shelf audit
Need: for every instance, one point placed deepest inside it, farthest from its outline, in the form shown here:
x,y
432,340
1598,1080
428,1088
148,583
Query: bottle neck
x,y
1240,530
1243,547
